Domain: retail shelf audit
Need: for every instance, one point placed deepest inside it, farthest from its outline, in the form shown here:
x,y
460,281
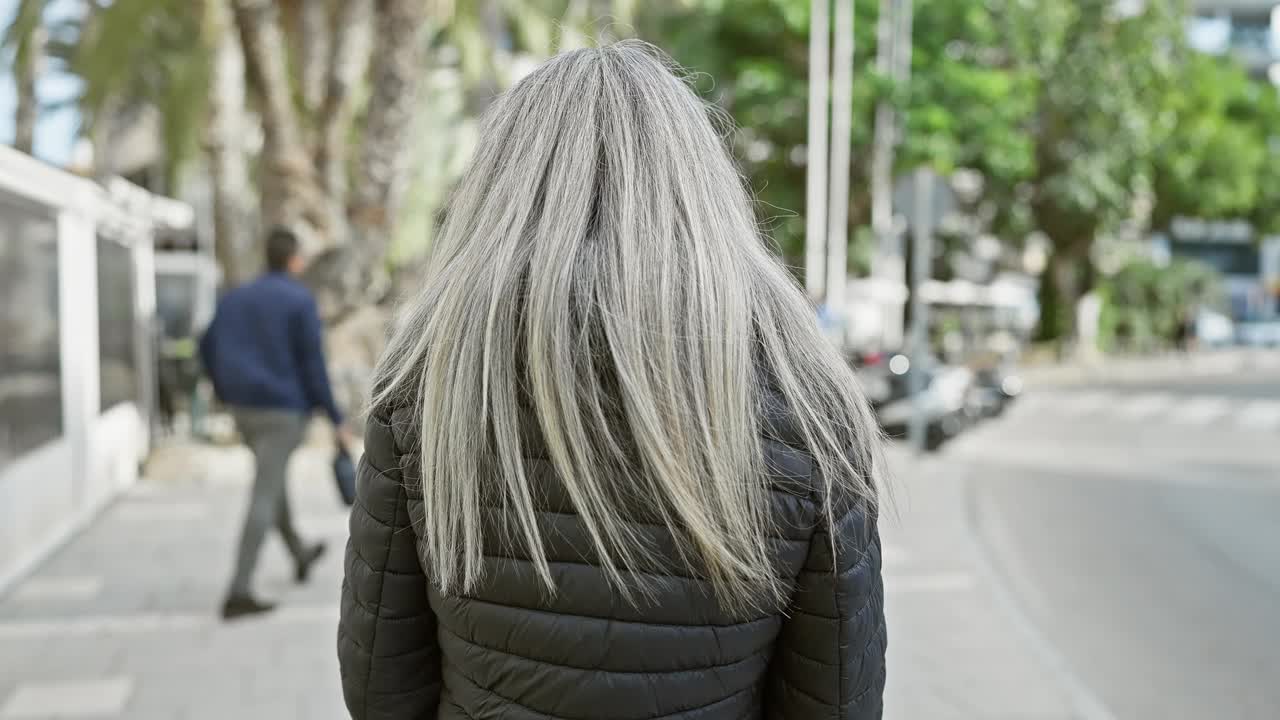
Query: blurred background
x,y
1046,234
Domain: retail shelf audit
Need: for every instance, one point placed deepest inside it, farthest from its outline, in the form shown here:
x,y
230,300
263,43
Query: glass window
x,y
175,304
30,369
1226,258
117,325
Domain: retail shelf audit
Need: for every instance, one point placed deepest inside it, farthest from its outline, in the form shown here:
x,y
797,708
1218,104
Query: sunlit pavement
x,y
122,623
1132,526
1104,550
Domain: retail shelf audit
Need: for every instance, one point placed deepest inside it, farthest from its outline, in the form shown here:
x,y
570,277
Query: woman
x,y
613,471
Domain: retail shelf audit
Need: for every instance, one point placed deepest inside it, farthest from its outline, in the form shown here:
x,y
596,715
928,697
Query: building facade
x,y
1248,29
77,323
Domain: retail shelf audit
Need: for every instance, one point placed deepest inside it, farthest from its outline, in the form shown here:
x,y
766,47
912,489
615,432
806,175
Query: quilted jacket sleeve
x,y
830,659
387,645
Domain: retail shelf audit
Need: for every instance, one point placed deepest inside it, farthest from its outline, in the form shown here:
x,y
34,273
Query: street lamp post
x,y
841,150
816,151
893,60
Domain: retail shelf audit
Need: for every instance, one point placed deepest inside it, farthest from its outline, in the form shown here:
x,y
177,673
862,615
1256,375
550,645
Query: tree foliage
x,y
1087,119
1143,304
964,106
1217,157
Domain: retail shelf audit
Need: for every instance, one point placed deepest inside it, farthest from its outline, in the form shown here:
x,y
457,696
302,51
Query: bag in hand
x,y
344,472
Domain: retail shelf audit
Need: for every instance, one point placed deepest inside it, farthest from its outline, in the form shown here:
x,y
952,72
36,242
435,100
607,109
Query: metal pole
x,y
921,255
883,267
815,237
893,59
841,142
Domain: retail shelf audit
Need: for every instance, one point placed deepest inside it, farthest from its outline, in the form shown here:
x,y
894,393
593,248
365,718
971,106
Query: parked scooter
x,y
945,401
993,389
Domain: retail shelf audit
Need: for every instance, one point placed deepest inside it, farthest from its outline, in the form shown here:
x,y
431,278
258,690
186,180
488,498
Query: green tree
x,y
1097,75
333,84
1211,160
1143,304
750,57
964,105
26,38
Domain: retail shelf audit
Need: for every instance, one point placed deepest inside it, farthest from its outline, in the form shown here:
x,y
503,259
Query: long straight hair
x,y
600,270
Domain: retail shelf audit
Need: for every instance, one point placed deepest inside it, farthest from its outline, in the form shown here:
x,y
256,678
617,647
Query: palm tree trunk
x,y
396,73
228,166
315,49
291,195
352,42
28,63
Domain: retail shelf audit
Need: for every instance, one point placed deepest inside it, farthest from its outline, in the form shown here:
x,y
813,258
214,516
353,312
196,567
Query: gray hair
x,y
600,270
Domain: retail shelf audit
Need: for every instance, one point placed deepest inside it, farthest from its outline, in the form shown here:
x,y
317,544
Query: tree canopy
x,y
1086,120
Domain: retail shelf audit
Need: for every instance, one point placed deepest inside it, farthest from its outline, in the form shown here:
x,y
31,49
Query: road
x,y
1136,527
1104,551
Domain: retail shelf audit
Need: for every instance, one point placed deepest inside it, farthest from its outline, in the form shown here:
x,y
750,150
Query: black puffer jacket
x,y
509,652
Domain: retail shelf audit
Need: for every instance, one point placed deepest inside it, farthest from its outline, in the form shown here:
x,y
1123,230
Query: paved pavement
x,y
958,647
121,623
1134,525
1048,565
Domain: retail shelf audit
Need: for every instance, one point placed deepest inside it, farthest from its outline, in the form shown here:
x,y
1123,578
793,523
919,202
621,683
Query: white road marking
x,y
1199,410
1260,415
1143,405
99,698
1081,403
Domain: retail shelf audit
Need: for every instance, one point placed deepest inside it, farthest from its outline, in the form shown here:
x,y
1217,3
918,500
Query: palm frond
x,y
25,21
147,52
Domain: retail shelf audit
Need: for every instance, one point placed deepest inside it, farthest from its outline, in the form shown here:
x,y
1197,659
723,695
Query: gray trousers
x,y
272,435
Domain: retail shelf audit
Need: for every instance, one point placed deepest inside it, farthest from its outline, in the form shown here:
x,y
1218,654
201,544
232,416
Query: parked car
x,y
1259,334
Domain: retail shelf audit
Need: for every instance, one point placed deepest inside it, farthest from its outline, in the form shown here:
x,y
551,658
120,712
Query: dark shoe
x,y
309,559
239,606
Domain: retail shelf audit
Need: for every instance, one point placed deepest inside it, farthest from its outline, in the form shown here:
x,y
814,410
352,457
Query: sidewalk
x,y
122,623
957,650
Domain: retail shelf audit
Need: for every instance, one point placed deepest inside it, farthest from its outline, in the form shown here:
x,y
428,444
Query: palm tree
x,y
227,124
26,37
335,112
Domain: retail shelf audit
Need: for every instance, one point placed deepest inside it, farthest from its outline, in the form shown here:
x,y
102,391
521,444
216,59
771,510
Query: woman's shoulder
x,y
788,461
391,432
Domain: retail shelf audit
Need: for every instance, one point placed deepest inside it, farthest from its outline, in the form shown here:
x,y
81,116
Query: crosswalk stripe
x,y
1143,405
1200,410
1082,403
1259,414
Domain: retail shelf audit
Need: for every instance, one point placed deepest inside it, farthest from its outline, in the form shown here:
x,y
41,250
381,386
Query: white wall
x,y
49,493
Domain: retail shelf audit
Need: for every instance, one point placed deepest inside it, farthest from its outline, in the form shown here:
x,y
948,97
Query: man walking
x,y
264,352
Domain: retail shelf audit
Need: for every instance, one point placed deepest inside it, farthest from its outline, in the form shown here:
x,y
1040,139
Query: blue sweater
x,y
264,348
